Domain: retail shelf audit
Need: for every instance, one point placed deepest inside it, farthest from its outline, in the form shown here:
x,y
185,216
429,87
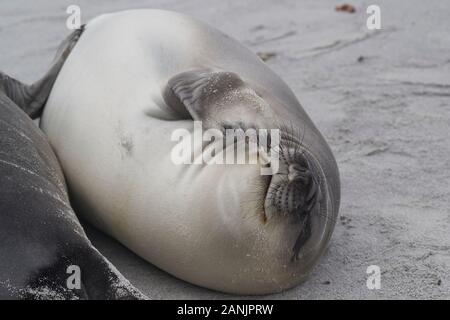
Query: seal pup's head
x,y
273,225
222,100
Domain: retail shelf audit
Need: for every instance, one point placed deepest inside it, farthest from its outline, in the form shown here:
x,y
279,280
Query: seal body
x,y
133,79
44,252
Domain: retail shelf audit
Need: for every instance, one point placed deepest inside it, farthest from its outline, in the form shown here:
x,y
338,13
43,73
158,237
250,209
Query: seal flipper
x,y
214,97
192,92
31,98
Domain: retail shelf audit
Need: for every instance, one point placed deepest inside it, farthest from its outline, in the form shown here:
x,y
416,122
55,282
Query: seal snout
x,y
293,194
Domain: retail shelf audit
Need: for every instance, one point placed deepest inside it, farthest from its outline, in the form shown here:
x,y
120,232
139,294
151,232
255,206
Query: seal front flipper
x,y
216,98
189,93
31,98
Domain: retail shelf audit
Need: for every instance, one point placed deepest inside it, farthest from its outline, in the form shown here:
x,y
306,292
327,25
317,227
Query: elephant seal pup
x,y
43,247
136,78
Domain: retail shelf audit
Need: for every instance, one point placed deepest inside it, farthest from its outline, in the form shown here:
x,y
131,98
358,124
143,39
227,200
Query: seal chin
x,y
293,195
